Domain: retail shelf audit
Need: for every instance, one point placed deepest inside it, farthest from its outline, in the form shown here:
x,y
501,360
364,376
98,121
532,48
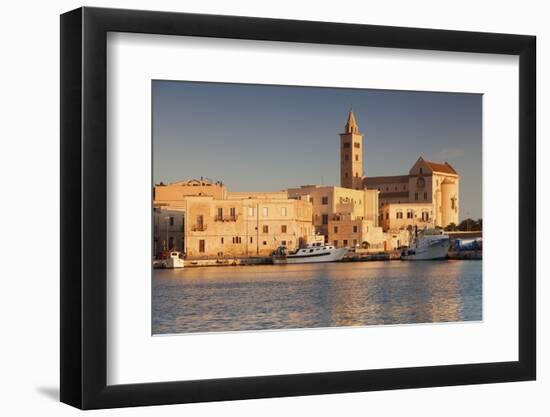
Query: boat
x,y
313,253
427,245
173,261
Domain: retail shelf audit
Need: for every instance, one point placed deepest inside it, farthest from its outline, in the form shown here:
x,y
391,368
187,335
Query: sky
x,y
268,138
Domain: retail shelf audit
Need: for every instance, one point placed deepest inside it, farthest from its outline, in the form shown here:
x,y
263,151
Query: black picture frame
x,y
84,207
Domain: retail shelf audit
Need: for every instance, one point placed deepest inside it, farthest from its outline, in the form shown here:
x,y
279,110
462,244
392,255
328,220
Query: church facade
x,y
428,196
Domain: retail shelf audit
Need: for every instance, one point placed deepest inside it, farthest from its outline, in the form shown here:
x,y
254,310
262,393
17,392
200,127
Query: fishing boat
x,y
427,245
317,252
173,261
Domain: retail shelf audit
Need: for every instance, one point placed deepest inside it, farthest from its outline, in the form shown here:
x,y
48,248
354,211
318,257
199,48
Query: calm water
x,y
208,299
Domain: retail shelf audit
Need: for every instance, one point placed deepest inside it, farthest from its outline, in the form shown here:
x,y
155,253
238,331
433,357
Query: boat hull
x,y
332,256
436,250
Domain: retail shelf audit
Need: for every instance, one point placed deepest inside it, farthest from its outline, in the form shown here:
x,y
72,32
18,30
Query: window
x,y
232,212
171,243
387,215
357,145
425,195
345,242
200,222
416,196
284,211
399,215
425,216
237,240
324,200
251,240
251,211
420,170
283,242
335,229
409,214
202,246
171,221
356,157
265,229
354,243
335,243
222,240
283,228
264,243
346,144
220,213
325,218
266,211
354,229
346,157
311,200
453,203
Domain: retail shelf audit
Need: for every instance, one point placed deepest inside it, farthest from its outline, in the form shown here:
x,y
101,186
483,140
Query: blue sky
x,y
262,138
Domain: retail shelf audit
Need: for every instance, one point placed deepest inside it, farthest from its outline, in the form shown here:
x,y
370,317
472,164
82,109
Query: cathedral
x,y
428,196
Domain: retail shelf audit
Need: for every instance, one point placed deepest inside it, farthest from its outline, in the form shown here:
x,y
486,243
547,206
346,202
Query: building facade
x,y
427,197
344,216
238,225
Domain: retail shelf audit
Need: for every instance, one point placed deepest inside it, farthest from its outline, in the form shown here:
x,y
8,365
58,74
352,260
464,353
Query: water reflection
x,y
315,295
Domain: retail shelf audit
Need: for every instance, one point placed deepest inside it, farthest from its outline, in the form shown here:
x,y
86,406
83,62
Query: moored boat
x,y
314,253
174,261
428,244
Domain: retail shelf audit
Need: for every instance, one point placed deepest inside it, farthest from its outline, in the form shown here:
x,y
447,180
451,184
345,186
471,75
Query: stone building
x,y
235,225
427,196
344,216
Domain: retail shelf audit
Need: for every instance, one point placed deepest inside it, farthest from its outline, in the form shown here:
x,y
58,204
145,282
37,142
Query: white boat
x,y
427,245
174,261
314,253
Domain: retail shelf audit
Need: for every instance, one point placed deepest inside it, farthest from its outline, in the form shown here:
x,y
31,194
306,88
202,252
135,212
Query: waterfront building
x,y
427,197
344,216
237,225
168,230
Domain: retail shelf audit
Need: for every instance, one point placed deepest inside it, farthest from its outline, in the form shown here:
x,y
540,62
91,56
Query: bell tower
x,y
351,155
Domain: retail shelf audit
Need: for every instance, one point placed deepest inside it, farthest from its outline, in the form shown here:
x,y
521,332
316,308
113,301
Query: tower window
x,y
346,145
346,157
324,201
357,145
356,157
420,170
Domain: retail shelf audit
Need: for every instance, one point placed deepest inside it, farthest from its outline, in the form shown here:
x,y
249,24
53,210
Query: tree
x,y
451,227
470,225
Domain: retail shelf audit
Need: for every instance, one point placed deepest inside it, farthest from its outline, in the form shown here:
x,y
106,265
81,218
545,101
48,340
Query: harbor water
x,y
263,297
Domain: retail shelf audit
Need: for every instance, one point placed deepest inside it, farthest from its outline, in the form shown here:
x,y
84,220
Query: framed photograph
x,y
257,208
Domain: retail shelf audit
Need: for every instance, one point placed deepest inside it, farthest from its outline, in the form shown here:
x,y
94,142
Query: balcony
x,y
226,218
198,228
